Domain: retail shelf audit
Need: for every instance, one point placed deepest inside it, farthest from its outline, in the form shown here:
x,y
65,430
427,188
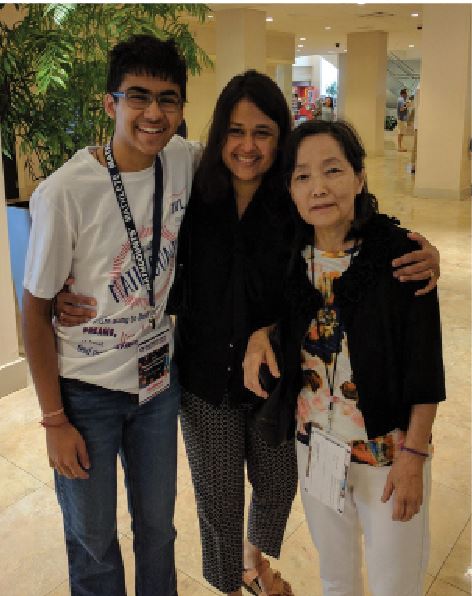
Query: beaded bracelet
x,y
55,413
46,424
414,451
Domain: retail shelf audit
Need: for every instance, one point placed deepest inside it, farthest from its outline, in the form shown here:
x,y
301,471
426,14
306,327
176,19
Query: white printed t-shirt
x,y
77,229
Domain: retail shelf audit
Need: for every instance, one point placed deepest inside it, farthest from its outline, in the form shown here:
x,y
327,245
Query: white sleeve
x,y
51,244
195,149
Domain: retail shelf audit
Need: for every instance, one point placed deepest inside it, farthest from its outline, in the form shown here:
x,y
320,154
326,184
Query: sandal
x,y
263,574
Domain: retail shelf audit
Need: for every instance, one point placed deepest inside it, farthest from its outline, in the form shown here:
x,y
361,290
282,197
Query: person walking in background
x,y
327,109
402,117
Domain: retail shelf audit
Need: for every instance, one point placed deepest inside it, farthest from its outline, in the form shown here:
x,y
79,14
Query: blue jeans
x,y
145,437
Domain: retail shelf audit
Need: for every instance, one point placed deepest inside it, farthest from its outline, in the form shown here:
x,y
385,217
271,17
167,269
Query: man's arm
x,y
419,264
66,447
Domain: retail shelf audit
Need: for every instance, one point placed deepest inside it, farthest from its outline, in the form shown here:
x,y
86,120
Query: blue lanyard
x,y
135,243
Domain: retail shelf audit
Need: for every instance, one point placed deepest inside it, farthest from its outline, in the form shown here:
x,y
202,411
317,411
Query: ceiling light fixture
x,y
269,19
415,14
302,38
300,45
210,16
328,28
411,45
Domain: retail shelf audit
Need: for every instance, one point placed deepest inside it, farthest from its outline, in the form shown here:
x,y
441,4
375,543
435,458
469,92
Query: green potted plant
x,y
53,69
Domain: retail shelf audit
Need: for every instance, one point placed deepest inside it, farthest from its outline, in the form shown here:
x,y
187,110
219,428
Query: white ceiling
x,y
310,20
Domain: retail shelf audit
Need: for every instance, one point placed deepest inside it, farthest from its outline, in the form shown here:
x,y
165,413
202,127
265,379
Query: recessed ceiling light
x,y
344,50
300,45
210,16
411,45
415,14
328,28
269,19
302,38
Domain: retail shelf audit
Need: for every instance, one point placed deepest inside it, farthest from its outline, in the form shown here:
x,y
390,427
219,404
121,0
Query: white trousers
x,y
396,553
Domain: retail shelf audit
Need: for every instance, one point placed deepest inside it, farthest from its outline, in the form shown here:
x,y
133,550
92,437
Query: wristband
x,y
55,413
414,451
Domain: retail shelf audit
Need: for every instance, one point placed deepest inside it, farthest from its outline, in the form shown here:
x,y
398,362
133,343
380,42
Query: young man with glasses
x,y
110,216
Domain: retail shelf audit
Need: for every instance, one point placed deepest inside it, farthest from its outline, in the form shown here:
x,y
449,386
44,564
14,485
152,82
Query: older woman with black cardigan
x,y
360,359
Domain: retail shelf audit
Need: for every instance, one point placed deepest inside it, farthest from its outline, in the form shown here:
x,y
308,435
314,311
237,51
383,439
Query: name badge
x,y
327,468
153,363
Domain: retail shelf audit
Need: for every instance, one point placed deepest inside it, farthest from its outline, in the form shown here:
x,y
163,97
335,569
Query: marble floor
x,y
32,555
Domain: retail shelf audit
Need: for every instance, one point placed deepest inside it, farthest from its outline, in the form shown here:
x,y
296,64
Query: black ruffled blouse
x,y
230,281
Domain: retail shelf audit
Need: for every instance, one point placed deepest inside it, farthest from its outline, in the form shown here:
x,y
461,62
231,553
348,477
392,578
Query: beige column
x,y
341,100
283,78
240,43
12,367
442,163
280,57
365,87
315,62
201,88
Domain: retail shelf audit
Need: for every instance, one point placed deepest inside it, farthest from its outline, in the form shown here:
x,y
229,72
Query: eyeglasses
x,y
141,99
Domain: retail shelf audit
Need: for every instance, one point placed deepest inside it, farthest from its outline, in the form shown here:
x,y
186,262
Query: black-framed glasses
x,y
140,99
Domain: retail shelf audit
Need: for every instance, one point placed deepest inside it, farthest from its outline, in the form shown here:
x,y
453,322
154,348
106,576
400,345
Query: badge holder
x,y
327,469
153,363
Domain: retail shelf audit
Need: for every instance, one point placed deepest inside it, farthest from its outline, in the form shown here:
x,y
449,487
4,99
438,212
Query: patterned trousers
x,y
219,440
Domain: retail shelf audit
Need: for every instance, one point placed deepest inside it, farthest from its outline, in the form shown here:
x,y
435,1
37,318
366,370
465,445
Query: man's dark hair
x,y
213,179
365,203
403,92
147,55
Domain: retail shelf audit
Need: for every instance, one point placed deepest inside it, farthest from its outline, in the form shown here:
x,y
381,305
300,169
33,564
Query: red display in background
x,y
307,95
307,92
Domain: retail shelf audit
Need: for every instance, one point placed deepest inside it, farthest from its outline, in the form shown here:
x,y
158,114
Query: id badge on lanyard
x,y
154,363
327,468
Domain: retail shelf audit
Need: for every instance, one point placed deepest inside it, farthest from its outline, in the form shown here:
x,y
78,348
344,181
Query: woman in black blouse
x,y
232,260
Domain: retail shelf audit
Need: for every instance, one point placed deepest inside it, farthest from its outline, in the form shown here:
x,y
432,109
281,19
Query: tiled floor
x,y
32,557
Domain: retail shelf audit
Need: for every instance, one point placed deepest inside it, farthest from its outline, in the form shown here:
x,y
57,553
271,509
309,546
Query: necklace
x,y
330,332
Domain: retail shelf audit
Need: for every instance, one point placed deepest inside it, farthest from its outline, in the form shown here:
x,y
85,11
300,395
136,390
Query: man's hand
x,y
67,451
259,351
419,264
405,482
73,309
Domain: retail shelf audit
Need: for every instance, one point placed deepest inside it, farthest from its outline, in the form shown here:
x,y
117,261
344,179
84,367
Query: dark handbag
x,y
267,381
274,417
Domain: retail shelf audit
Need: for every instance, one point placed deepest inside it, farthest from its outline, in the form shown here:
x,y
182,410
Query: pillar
x,y
442,164
240,43
280,48
365,83
341,100
283,78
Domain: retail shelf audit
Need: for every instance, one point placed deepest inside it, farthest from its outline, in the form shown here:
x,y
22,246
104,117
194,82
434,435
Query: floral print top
x,y
327,370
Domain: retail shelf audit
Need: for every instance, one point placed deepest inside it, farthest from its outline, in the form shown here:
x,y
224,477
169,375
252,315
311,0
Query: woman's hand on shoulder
x,y
73,309
405,483
419,264
259,351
